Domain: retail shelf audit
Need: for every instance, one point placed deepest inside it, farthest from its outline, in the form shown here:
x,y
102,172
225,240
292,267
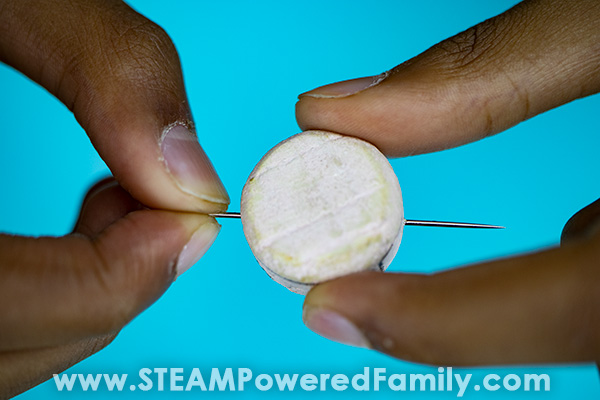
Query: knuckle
x,y
101,342
141,56
120,43
470,46
92,345
144,38
111,307
141,50
129,54
127,278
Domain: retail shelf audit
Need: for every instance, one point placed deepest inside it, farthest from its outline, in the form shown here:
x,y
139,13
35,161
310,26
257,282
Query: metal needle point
x,y
412,222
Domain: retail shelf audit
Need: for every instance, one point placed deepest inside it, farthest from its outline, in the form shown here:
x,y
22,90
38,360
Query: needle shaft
x,y
411,222
226,215
446,224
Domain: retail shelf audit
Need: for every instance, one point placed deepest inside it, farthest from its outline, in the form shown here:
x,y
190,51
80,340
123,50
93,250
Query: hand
x,y
542,307
65,298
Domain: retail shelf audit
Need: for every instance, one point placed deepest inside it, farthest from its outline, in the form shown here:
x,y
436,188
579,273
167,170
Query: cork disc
x,y
321,205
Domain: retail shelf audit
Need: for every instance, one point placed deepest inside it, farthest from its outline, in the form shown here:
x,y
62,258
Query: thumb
x,y
536,56
535,308
60,290
120,75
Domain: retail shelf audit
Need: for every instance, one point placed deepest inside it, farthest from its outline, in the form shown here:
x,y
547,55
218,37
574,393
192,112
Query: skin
x,y
64,299
536,308
119,74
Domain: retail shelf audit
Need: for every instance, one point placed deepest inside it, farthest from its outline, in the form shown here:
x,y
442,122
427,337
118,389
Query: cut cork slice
x,y
321,205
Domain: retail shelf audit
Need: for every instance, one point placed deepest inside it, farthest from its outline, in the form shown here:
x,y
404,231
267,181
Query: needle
x,y
447,224
412,222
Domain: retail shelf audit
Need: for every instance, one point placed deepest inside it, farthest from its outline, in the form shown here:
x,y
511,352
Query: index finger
x,y
536,56
120,75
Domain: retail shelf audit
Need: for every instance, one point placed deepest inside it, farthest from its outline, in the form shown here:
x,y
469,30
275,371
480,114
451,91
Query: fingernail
x,y
345,88
333,326
197,246
190,167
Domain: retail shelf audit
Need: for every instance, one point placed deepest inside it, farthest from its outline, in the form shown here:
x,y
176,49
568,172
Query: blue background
x,y
244,64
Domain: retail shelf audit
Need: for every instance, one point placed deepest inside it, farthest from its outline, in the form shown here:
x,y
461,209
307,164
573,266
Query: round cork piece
x,y
321,205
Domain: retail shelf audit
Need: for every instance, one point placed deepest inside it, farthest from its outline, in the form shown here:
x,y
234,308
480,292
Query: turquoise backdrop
x,y
244,64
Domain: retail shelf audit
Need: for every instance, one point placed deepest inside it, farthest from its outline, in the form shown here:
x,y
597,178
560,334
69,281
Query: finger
x,y
23,369
105,203
120,75
59,290
583,224
536,56
537,308
20,370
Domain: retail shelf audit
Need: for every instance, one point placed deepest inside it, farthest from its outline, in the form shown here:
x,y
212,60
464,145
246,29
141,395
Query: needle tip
x,y
447,224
